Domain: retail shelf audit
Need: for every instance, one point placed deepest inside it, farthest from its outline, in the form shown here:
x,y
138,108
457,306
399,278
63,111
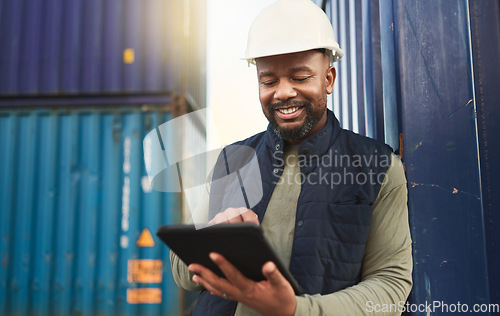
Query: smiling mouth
x,y
289,110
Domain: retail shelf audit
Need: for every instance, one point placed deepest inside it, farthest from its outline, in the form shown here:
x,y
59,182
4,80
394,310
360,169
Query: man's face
x,y
292,91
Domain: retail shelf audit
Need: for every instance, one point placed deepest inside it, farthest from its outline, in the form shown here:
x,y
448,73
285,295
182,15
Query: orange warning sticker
x,y
145,271
145,239
144,296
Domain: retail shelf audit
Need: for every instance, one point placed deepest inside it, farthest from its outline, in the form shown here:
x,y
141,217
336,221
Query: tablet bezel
x,y
242,244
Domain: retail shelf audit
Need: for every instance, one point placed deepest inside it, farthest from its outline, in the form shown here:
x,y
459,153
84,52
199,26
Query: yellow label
x,y
144,296
128,55
145,271
145,239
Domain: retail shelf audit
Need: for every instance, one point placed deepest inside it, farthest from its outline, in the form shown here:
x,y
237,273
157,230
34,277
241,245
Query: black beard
x,y
298,133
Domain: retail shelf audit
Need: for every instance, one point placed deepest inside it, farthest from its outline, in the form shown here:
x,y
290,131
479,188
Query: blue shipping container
x,y
74,201
55,47
364,96
430,70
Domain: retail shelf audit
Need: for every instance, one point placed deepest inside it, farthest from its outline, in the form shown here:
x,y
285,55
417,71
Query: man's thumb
x,y
272,274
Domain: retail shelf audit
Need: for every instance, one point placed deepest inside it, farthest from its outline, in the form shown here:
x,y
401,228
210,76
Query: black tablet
x,y
242,244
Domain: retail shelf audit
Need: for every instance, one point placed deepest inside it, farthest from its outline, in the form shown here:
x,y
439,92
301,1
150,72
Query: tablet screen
x,y
242,244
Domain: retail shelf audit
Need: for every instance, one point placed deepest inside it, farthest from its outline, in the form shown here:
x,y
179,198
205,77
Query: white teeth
x,y
288,110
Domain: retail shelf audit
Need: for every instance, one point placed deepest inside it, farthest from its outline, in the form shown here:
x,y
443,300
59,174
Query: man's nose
x,y
285,90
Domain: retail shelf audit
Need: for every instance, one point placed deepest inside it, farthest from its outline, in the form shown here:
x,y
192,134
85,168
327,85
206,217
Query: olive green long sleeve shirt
x,y
387,264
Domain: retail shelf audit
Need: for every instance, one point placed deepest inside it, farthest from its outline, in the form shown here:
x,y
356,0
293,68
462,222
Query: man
x,y
334,203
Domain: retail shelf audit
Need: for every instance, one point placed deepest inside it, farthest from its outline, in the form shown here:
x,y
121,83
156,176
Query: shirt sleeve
x,y
182,276
387,264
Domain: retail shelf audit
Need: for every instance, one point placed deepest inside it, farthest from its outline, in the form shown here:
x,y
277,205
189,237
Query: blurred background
x,y
83,82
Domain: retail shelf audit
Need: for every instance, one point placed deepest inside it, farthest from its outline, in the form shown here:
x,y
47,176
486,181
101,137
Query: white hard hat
x,y
290,26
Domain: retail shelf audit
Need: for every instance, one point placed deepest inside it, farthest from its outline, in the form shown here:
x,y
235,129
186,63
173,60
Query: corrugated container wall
x,y
423,77
81,84
55,47
74,202
364,98
448,81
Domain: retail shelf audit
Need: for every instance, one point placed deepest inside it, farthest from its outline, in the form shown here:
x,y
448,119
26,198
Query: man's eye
x,y
268,83
301,78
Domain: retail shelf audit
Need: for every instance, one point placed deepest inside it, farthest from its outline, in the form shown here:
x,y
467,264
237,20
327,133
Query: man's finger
x,y
273,275
219,218
233,215
249,215
210,281
214,291
232,274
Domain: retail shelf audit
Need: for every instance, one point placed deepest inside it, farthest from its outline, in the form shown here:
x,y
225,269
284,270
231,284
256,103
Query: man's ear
x,y
331,74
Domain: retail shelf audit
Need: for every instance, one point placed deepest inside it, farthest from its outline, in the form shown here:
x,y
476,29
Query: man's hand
x,y
235,215
273,296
